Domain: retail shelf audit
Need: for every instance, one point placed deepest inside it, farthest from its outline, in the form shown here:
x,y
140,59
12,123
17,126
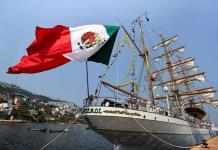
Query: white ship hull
x,y
131,128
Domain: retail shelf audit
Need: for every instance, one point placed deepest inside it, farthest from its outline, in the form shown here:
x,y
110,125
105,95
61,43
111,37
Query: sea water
x,y
17,137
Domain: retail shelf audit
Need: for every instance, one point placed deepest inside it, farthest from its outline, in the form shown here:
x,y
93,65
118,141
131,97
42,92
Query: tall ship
x,y
161,104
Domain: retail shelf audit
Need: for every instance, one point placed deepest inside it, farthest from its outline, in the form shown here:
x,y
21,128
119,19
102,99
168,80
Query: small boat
x,y
53,131
40,130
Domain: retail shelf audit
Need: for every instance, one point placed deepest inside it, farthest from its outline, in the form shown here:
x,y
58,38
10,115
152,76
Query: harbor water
x,y
17,137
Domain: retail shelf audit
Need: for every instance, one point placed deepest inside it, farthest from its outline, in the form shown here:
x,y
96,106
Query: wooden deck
x,y
212,145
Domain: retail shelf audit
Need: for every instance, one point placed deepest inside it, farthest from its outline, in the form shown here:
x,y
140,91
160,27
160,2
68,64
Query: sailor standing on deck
x,y
91,100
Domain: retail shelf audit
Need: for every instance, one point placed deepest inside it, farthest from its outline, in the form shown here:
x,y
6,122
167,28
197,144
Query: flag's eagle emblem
x,y
90,39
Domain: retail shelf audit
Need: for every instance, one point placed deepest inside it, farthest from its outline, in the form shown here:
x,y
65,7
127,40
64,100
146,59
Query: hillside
x,y
7,88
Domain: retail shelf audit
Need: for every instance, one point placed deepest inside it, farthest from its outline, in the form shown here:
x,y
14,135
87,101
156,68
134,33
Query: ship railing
x,y
160,110
196,123
99,101
139,106
145,108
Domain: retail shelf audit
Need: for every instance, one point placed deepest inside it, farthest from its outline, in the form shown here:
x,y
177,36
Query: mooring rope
x,y
173,145
177,146
191,134
57,135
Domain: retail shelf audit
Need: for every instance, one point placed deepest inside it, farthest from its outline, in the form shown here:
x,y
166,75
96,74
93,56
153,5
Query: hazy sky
x,y
195,21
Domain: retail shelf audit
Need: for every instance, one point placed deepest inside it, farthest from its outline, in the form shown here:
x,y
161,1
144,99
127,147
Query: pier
x,y
212,145
11,122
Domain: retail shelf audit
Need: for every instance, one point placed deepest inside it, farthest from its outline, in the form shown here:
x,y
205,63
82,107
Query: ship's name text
x,y
91,110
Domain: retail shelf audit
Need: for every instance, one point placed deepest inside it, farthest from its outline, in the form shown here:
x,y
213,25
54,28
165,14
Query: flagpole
x,y
87,79
117,80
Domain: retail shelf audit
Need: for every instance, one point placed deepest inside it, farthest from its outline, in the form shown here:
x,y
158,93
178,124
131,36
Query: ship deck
x,y
212,145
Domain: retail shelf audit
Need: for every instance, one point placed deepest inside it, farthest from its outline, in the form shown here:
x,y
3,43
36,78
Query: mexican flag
x,y
59,45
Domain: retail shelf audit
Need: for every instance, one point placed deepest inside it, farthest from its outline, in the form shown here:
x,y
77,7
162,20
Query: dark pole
x,y
87,78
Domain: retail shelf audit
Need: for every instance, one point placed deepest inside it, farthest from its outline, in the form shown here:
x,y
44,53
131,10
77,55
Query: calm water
x,y
78,138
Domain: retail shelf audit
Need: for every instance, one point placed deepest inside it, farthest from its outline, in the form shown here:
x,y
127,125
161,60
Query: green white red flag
x,y
59,45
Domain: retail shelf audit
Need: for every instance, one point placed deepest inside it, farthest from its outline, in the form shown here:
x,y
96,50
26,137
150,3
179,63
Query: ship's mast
x,y
170,69
173,68
187,85
181,68
146,61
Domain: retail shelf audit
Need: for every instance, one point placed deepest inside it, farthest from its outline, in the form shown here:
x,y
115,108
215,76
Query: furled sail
x,y
180,49
209,95
165,43
215,103
206,92
188,61
202,101
198,77
185,70
203,92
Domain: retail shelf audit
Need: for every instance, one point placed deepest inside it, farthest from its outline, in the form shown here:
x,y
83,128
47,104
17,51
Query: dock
x,y
11,122
212,145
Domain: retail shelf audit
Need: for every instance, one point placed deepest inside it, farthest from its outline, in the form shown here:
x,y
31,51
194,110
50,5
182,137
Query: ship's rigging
x,y
164,97
182,74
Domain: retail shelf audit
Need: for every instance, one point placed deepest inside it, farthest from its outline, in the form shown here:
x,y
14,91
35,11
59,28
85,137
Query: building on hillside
x,y
33,112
